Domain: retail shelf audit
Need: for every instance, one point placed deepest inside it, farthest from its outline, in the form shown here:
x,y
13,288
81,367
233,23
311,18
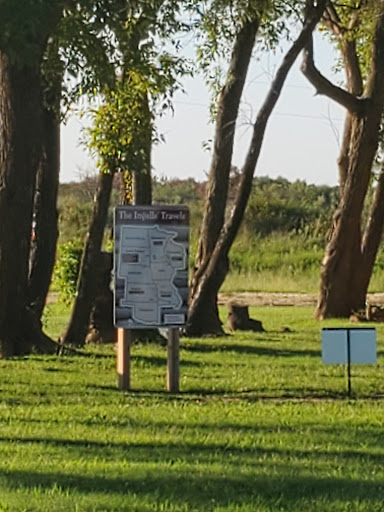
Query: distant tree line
x,y
275,205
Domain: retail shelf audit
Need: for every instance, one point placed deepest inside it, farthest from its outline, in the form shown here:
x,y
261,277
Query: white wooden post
x,y
124,359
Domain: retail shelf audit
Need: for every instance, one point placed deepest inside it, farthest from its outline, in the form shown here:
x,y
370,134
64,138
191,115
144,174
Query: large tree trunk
x,y
20,145
45,233
203,318
354,276
344,282
343,258
77,329
215,267
371,240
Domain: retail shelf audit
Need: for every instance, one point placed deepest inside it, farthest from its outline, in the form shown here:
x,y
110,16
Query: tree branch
x,y
325,87
347,45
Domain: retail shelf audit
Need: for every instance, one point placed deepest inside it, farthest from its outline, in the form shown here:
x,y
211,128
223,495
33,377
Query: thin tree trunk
x,y
142,195
214,270
142,178
142,187
355,87
43,246
77,329
228,108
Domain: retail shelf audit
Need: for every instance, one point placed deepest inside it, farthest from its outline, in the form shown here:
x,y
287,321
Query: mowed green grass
x,y
259,425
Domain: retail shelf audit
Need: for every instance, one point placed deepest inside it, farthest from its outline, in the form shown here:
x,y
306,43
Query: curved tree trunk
x,y
205,311
45,233
20,146
344,281
227,112
215,268
343,258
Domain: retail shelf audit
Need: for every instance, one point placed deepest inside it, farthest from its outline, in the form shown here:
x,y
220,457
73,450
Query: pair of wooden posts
x,y
124,339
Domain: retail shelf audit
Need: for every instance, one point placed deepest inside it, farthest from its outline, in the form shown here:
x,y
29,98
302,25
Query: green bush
x,y
74,216
278,206
67,268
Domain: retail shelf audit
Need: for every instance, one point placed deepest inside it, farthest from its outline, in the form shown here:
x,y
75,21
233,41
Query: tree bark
x,y
77,329
227,112
20,145
215,267
142,187
354,80
342,291
142,178
206,310
371,240
45,233
339,295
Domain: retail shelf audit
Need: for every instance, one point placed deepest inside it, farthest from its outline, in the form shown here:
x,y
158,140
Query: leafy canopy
x,y
25,28
146,76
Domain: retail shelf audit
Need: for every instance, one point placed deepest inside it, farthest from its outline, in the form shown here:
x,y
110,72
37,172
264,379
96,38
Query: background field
x,y
259,425
280,245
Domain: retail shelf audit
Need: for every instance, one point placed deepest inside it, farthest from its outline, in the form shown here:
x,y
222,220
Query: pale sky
x,y
301,142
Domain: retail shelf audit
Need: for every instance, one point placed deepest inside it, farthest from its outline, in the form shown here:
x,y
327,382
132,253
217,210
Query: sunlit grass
x,y
283,263
260,424
377,281
271,281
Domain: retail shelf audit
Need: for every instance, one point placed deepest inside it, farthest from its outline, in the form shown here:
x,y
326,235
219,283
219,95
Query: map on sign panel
x,y
148,263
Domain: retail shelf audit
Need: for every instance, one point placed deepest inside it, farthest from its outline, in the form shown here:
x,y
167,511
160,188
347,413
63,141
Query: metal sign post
x,y
173,360
349,363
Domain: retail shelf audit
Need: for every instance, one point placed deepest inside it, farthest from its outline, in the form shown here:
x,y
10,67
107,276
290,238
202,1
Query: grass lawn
x,y
259,425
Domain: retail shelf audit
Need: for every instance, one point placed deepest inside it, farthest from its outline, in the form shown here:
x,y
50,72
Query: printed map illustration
x,y
148,261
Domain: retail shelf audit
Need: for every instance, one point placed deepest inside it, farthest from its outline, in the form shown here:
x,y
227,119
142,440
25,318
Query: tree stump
x,y
238,319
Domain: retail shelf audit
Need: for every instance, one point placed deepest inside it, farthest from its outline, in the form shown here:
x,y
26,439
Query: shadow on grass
x,y
202,490
225,450
250,350
161,361
196,395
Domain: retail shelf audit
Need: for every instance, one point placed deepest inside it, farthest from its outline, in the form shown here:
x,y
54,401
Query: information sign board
x,y
151,266
349,346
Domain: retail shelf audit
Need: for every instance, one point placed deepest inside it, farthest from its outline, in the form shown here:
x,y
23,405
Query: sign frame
x,y
151,266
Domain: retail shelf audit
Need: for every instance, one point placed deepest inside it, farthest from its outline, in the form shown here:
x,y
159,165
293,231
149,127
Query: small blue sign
x,y
352,345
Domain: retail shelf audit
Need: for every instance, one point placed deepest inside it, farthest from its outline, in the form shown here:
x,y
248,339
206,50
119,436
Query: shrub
x,y
67,268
